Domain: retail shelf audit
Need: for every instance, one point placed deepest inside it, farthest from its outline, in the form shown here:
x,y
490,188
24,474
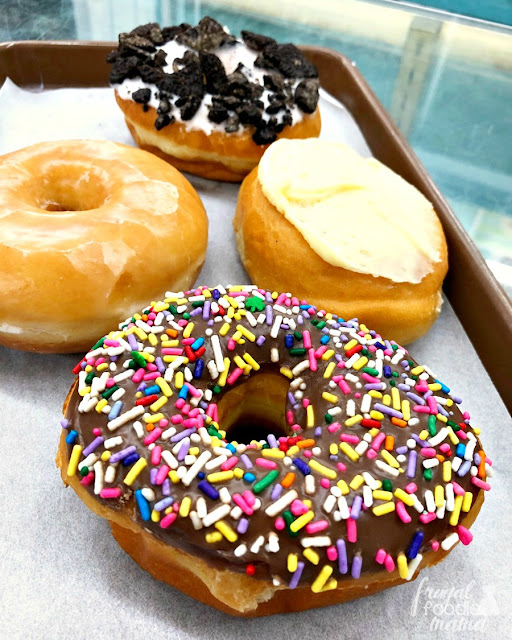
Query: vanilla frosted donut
x,y
86,228
265,456
345,232
210,103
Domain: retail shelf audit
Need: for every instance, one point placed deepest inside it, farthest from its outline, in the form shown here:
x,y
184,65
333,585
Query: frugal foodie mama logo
x,y
454,609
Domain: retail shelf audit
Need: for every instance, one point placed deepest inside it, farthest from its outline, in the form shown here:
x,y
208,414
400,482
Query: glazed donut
x,y
209,103
86,228
265,456
344,232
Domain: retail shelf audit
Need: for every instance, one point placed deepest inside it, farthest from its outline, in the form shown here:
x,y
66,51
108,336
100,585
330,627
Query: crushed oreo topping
x,y
208,35
142,96
232,124
163,107
286,59
218,114
160,58
124,68
163,120
151,31
170,33
249,114
151,75
306,95
264,135
273,82
215,76
238,99
255,41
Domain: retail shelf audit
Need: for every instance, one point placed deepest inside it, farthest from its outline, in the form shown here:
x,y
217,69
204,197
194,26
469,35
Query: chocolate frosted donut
x,y
263,455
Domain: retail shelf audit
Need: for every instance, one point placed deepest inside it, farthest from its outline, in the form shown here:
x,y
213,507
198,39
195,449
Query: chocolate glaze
x,y
373,532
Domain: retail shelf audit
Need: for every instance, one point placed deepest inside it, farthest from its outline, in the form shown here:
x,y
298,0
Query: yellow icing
x,y
354,212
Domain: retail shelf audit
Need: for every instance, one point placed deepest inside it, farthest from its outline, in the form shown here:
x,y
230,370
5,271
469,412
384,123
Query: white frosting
x,y
354,212
230,56
200,119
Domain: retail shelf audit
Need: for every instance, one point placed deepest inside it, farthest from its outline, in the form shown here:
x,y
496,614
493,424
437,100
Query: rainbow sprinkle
x,y
370,439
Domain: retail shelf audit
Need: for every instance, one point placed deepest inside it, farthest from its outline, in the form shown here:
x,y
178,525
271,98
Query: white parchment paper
x,y
62,576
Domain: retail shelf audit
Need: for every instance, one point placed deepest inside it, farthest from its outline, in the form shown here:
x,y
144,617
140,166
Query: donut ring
x,y
69,270
367,473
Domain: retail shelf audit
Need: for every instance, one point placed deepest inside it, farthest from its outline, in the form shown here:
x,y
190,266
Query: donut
x,y
264,456
210,103
344,232
87,228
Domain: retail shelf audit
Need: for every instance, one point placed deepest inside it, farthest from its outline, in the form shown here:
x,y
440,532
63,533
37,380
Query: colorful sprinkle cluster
x,y
374,442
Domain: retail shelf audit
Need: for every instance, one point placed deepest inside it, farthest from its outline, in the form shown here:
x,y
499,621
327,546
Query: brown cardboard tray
x,y
480,303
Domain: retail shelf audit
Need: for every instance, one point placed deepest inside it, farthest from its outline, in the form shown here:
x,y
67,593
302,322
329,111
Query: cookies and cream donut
x,y
210,103
87,228
346,233
263,455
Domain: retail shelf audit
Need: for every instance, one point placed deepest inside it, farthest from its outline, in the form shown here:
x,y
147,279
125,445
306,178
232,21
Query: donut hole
x,y
250,427
255,409
71,187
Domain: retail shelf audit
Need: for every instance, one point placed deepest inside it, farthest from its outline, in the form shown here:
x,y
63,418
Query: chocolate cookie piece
x,y
249,114
141,96
256,41
218,114
230,102
133,43
214,73
286,59
150,31
306,95
170,33
276,103
164,106
208,35
187,84
264,135
124,68
150,74
273,82
189,57
163,120
160,58
232,124
189,107
239,86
